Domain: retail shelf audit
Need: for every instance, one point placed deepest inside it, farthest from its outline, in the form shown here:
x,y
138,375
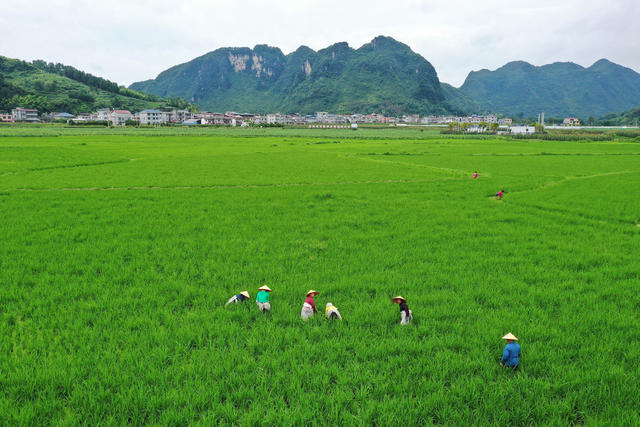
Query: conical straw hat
x,y
264,288
312,293
245,294
510,336
398,298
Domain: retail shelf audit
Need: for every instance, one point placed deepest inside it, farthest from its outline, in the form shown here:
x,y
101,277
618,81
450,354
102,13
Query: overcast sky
x,y
127,41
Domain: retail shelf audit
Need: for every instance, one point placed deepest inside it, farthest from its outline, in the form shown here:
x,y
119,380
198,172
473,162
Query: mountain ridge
x,y
383,75
519,88
56,87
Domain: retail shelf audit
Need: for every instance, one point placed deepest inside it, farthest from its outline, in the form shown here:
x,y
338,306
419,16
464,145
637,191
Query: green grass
x,y
120,249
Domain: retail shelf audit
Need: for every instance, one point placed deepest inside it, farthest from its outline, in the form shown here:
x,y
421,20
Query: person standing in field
x,y
331,311
405,314
309,306
240,298
475,175
263,299
499,194
511,353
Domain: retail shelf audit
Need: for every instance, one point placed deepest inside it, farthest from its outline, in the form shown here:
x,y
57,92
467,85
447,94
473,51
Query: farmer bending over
x,y
332,312
511,353
499,194
309,306
241,297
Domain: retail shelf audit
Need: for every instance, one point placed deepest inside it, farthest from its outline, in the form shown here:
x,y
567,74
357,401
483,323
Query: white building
x,y
522,130
120,117
6,117
276,118
571,121
24,115
151,117
322,117
505,121
429,120
182,115
103,114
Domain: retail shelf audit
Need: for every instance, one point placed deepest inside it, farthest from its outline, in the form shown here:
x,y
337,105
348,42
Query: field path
x,y
78,165
571,178
417,165
222,186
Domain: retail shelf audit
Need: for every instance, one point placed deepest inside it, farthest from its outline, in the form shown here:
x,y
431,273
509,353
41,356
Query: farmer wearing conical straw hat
x,y
405,314
511,353
309,306
241,297
263,299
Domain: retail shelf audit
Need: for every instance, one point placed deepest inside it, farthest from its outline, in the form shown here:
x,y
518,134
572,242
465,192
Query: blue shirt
x,y
511,354
241,297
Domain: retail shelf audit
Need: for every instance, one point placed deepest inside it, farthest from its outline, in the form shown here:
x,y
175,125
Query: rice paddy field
x,y
120,248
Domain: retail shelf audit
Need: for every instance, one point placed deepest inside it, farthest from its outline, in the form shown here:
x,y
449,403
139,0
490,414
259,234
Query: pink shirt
x,y
475,175
310,301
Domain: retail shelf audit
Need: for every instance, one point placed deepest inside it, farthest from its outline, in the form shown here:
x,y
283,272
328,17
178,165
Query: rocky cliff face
x,y
383,75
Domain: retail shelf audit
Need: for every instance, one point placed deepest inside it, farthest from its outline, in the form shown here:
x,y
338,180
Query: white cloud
x,y
129,41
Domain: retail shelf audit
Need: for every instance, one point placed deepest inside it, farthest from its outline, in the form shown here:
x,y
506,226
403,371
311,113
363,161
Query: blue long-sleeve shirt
x,y
511,354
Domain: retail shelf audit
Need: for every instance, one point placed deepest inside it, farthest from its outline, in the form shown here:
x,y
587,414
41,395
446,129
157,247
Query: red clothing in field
x,y
310,301
500,193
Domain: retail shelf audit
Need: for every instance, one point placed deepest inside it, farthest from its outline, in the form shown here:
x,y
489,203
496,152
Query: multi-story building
x,y
411,118
103,114
120,117
24,115
491,118
151,117
506,121
322,117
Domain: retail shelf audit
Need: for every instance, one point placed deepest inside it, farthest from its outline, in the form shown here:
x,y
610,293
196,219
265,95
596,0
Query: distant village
x,y
473,123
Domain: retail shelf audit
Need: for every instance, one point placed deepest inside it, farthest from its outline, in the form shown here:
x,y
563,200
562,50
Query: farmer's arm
x,y
505,355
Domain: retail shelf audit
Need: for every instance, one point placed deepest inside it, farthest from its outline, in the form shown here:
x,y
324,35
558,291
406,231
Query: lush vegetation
x,y
381,76
121,246
561,89
57,87
628,118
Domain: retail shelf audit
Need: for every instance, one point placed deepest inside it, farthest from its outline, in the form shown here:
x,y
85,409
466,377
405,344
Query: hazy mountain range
x,y
558,89
387,76
383,76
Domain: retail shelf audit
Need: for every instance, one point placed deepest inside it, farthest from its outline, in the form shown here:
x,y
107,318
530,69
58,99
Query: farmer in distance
x,y
499,194
240,298
405,313
511,353
263,299
309,306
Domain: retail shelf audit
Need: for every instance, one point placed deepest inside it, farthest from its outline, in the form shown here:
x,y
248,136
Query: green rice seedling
x,y
121,246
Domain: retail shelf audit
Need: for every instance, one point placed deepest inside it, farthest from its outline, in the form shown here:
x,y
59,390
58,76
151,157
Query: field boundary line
x,y
223,186
571,178
578,215
411,164
78,165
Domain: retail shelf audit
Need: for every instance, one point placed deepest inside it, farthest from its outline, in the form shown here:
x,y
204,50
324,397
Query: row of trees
x,y
77,75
